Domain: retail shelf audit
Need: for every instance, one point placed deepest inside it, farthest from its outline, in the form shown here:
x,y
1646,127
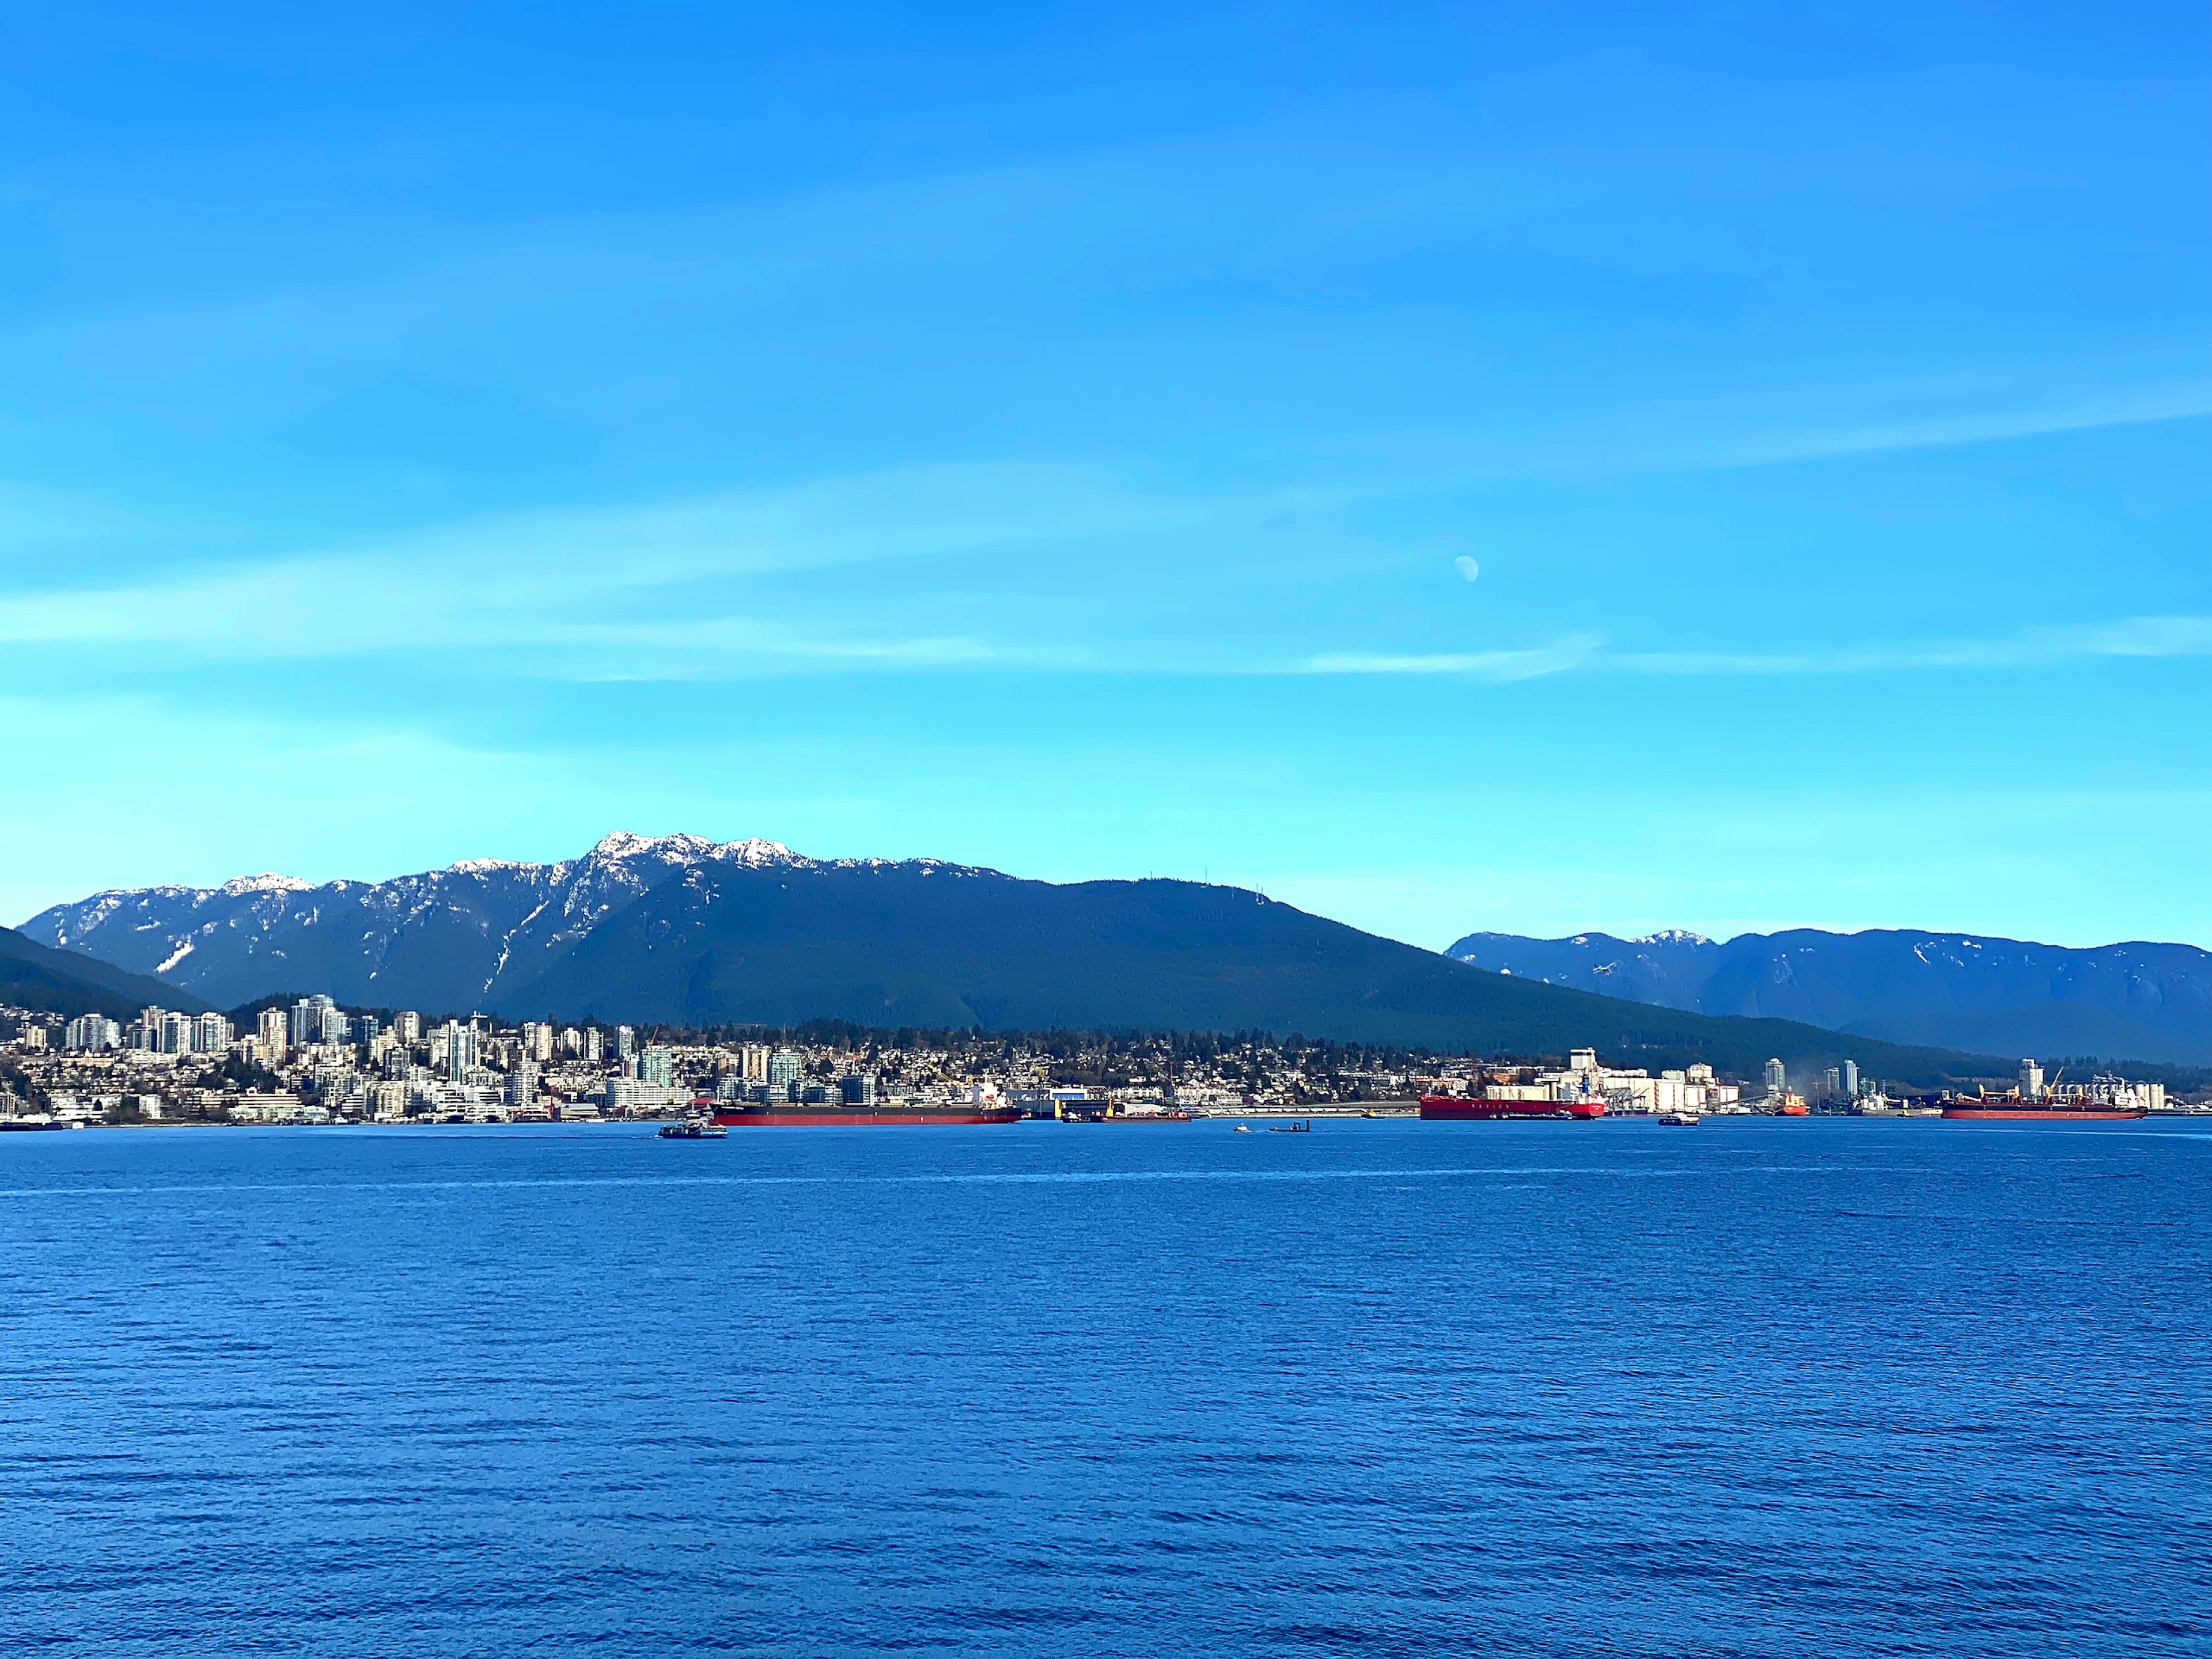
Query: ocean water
x,y
1823,1387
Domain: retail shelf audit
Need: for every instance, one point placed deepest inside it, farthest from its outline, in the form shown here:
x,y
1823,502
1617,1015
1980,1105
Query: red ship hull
x,y
2038,1114
862,1117
1451,1108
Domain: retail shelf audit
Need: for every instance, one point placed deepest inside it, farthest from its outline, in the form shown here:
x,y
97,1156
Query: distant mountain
x,y
685,930
34,976
2133,1001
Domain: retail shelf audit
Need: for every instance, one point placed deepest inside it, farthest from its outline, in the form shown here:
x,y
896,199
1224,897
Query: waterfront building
x,y
1851,1080
657,1065
1777,1078
858,1089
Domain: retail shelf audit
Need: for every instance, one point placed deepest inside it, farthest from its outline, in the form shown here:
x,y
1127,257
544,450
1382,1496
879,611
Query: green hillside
x,y
34,976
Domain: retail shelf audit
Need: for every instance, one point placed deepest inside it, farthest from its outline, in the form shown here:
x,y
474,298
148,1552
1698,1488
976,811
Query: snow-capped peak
x,y
1672,936
268,882
692,849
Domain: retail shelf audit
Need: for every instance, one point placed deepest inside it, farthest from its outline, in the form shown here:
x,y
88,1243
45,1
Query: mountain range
x,y
2131,1001
681,930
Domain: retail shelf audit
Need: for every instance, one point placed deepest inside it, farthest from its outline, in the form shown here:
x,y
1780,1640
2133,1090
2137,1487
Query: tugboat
x,y
1679,1120
694,1128
1302,1127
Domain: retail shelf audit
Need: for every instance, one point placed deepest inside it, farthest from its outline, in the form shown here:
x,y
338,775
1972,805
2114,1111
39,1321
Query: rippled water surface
x,y
1831,1388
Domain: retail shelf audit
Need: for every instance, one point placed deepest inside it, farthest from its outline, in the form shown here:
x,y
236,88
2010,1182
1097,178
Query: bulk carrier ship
x,y
2028,1111
780,1115
2103,1100
1450,1107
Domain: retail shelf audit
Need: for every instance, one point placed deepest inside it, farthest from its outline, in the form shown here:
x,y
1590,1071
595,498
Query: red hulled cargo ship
x,y
779,1115
2013,1111
1450,1107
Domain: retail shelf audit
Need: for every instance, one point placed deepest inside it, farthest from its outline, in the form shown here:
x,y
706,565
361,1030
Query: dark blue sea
x,y
1760,1388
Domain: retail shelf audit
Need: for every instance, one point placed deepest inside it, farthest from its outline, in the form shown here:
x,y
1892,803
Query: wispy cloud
x,y
1497,666
2135,636
2133,406
647,584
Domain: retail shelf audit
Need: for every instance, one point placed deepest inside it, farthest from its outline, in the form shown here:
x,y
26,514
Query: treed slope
x,y
32,976
892,944
2134,1000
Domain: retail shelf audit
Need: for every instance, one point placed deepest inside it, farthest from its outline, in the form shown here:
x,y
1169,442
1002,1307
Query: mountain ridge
x,y
2132,1000
685,930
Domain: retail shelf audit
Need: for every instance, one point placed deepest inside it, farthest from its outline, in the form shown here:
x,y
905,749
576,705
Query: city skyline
x,y
1730,472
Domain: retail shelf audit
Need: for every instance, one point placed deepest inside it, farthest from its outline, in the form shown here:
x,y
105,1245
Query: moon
x,y
1467,567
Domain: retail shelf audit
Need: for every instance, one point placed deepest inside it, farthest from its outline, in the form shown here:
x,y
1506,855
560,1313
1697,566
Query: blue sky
x,y
1624,468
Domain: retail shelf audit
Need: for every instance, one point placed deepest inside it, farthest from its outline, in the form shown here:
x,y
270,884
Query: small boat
x,y
1243,1129
694,1130
1679,1120
1302,1127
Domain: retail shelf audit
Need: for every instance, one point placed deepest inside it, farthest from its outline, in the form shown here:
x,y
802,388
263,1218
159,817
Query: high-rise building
x,y
625,1042
409,1026
307,1021
365,1028
783,1066
522,1083
176,1033
1831,1082
859,1089
538,1041
657,1065
274,1034
1851,1078
1777,1078
210,1034
594,1045
463,1051
752,1062
2030,1080
87,1034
